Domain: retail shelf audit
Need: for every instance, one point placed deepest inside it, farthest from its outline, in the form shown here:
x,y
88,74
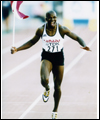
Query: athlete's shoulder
x,y
39,31
63,29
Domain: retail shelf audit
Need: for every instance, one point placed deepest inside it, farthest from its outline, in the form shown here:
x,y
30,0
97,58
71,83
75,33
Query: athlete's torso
x,y
53,43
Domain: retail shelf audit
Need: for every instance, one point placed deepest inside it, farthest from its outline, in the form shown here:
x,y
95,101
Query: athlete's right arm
x,y
28,44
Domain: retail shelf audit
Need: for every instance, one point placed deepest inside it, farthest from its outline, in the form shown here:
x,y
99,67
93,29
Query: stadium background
x,y
80,17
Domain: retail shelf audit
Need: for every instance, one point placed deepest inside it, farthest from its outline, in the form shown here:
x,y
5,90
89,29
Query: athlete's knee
x,y
57,88
57,91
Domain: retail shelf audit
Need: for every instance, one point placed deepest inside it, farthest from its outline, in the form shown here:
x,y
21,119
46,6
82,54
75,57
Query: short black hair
x,y
50,12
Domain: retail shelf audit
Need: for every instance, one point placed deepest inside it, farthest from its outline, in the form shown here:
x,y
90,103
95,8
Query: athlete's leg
x,y
58,76
46,67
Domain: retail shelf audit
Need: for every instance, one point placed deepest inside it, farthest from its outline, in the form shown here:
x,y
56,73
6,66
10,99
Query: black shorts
x,y
54,58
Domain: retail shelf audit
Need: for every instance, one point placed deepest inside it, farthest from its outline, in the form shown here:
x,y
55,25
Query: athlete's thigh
x,y
58,72
45,69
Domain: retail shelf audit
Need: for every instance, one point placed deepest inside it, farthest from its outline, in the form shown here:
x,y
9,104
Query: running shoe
x,y
54,115
45,96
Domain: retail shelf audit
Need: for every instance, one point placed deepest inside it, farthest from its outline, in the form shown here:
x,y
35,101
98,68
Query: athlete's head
x,y
51,18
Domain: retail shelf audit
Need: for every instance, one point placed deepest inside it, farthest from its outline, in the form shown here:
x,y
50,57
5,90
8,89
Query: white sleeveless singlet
x,y
54,43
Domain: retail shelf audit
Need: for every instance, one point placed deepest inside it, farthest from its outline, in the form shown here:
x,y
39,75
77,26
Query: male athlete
x,y
52,35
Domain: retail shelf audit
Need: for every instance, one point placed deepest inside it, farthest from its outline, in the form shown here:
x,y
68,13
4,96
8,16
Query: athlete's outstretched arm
x,y
77,38
28,44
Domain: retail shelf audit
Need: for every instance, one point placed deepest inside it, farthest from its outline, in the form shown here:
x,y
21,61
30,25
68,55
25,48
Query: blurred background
x,y
19,87
70,13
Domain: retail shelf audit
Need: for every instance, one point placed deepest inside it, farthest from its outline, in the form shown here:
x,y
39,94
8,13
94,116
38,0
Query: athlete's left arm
x,y
76,38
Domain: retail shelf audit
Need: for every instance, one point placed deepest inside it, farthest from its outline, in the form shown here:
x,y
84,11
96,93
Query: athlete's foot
x,y
45,96
54,115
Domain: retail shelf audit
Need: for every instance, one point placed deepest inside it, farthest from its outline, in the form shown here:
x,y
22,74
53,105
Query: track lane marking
x,y
5,50
37,56
66,70
25,63
31,59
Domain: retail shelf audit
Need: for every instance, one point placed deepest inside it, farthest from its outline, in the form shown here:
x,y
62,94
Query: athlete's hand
x,y
86,48
13,50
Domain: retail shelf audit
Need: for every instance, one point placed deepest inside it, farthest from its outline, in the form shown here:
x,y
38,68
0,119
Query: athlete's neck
x,y
50,27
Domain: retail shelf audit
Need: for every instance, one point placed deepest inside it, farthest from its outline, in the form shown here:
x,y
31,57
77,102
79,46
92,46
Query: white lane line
x,y
79,56
30,107
5,50
66,70
36,56
31,59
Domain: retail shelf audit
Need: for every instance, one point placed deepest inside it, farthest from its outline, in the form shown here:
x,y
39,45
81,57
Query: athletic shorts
x,y
54,58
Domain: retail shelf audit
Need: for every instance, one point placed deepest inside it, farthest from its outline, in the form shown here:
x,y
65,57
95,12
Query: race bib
x,y
52,45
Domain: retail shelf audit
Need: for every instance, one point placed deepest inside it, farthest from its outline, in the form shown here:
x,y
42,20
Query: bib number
x,y
52,48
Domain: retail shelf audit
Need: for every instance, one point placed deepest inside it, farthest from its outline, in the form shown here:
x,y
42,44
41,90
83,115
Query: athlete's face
x,y
51,19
